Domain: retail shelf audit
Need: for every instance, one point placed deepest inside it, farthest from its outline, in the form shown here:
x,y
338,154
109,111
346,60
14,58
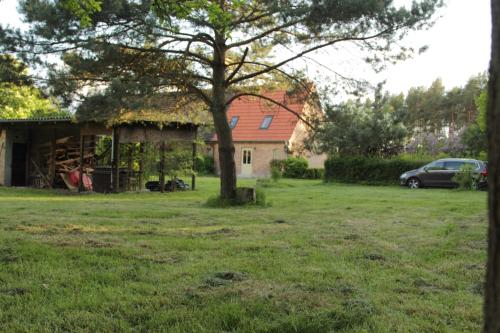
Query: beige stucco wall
x,y
262,154
296,143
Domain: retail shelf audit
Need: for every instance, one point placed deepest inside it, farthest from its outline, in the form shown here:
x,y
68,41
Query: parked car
x,y
440,173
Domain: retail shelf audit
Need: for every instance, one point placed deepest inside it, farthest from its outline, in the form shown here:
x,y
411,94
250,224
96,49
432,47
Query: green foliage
x,y
178,161
83,9
204,165
275,173
261,197
475,137
431,109
355,128
373,171
314,174
295,167
466,178
13,71
25,102
482,104
19,98
475,140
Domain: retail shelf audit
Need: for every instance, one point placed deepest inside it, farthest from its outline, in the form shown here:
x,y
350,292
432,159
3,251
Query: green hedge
x,y
296,167
368,170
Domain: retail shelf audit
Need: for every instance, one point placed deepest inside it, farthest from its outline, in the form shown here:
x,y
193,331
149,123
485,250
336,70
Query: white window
x,y
247,156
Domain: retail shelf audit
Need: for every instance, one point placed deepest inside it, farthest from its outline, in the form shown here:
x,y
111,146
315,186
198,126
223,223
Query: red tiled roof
x,y
252,110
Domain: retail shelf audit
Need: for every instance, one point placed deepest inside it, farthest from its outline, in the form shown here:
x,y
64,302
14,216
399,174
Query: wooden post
x,y
115,169
28,157
52,167
130,165
141,165
193,176
162,167
82,161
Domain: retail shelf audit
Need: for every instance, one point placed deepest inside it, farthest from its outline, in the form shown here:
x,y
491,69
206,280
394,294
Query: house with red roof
x,y
264,131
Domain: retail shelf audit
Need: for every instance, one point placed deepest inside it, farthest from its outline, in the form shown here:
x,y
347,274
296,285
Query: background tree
x,y
217,50
492,290
19,98
361,129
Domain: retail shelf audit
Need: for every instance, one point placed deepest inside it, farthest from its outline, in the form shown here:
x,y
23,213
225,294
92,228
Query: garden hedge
x,y
365,170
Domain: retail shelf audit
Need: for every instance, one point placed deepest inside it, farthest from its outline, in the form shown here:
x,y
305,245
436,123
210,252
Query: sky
x,y
459,47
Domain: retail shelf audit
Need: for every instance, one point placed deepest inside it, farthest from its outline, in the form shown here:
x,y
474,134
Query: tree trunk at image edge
x,y
492,290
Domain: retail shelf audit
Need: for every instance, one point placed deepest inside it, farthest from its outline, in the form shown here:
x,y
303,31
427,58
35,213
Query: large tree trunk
x,y
224,134
492,291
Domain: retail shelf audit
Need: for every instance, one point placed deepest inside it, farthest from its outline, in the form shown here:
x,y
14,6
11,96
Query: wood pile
x,y
67,156
57,157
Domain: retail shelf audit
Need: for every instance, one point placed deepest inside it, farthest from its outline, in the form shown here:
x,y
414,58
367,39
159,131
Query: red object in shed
x,y
74,177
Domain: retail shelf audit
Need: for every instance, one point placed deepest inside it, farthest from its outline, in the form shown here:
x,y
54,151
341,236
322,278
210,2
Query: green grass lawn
x,y
321,258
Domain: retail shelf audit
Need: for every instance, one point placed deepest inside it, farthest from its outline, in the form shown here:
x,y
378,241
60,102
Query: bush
x,y
295,167
314,174
365,170
275,173
204,165
466,178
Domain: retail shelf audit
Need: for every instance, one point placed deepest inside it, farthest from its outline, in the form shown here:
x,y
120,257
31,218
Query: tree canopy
x,y
216,50
19,98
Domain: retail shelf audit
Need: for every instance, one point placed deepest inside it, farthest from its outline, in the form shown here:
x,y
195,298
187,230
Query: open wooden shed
x,y
40,152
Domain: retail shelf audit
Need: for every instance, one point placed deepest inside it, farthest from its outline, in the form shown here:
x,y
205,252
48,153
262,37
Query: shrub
x,y
466,178
295,167
204,165
278,164
275,173
314,174
365,170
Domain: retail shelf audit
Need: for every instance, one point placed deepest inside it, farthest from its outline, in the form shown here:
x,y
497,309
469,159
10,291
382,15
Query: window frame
x,y
262,127
236,119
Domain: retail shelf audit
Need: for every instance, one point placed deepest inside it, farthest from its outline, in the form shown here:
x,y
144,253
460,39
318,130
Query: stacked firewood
x,y
67,156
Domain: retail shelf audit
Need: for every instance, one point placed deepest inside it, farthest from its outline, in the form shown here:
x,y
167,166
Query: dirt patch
x,y
219,279
7,255
223,231
14,291
375,257
352,237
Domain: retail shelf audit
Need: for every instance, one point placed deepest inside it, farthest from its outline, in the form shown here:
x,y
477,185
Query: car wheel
x,y
414,183
475,185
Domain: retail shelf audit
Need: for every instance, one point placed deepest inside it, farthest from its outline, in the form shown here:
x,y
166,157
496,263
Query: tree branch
x,y
232,99
238,67
300,54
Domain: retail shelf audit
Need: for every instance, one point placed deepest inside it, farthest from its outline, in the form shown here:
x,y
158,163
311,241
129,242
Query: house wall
x,y
262,154
296,142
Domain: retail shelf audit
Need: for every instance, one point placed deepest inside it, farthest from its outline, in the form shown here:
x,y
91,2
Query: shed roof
x,y
47,119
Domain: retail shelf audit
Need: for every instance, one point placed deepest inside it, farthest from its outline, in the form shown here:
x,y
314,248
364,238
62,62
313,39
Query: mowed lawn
x,y
321,258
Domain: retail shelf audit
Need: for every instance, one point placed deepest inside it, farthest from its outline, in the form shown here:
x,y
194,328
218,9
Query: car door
x,y
452,167
433,174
